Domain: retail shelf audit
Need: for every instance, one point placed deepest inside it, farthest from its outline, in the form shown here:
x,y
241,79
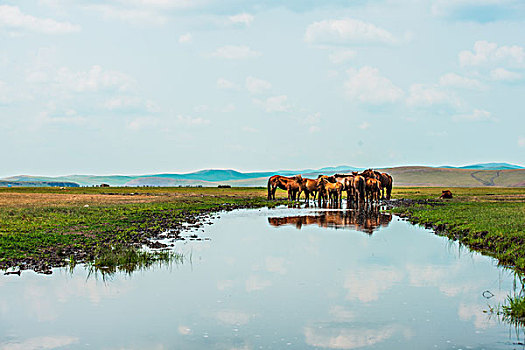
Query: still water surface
x,y
274,279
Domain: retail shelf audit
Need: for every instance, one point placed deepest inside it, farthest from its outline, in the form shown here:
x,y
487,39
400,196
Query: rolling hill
x,y
488,174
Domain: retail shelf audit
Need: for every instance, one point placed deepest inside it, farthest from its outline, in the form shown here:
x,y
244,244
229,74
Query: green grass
x,y
489,220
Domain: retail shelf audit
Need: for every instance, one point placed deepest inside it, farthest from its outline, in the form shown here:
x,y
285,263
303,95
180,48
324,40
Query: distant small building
x,y
104,185
224,186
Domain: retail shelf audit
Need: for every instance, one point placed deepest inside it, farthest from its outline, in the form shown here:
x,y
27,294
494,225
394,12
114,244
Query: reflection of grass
x,y
128,259
512,311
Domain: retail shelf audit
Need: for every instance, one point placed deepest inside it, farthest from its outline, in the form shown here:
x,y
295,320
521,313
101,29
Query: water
x,y
273,279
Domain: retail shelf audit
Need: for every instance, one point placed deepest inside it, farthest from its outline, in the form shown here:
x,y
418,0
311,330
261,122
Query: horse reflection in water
x,y
362,220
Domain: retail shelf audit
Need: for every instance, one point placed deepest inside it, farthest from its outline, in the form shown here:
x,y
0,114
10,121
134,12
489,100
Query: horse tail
x,y
269,188
389,187
362,189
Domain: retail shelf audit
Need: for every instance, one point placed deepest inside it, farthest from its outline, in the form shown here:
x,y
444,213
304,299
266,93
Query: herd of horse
x,y
365,187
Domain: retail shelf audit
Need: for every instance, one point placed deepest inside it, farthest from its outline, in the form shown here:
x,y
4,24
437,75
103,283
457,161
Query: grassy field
x,y
48,226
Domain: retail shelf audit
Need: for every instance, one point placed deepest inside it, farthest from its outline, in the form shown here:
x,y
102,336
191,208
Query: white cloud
x,y
225,84
249,129
233,52
190,121
243,18
141,123
40,343
257,86
131,103
521,141
475,116
368,86
341,56
274,104
459,81
313,129
364,125
185,38
340,314
426,96
475,312
502,74
125,14
233,317
314,118
346,31
164,3
276,264
94,80
487,53
11,17
184,330
69,116
341,337
367,284
254,283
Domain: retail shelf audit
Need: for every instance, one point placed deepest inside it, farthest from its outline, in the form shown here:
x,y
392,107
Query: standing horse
x,y
309,186
373,189
348,185
386,183
278,181
359,184
330,191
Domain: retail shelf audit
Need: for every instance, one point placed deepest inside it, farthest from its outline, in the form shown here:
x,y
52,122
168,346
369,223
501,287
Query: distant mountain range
x,y
487,166
413,175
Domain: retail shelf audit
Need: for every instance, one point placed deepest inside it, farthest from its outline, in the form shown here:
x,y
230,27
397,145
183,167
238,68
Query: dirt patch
x,y
8,199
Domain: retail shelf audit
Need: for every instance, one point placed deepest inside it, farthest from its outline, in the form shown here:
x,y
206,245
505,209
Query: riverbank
x,y
488,220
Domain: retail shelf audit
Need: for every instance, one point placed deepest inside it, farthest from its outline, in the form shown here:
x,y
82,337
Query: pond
x,y
282,278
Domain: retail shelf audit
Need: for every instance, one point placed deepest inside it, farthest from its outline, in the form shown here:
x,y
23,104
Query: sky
x,y
148,86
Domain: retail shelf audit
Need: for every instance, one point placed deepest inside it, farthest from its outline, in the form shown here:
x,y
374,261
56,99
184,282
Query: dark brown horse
x,y
386,183
359,184
385,179
278,181
373,190
348,185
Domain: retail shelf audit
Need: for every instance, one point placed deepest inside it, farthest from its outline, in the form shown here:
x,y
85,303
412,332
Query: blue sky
x,y
145,86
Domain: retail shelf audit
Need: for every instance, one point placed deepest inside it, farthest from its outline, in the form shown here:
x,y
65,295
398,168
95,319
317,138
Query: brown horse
x,y
294,188
348,185
359,184
330,191
278,181
386,183
373,189
446,194
368,173
309,186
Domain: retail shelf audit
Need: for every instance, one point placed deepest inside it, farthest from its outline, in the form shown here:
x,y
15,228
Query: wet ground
x,y
274,279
